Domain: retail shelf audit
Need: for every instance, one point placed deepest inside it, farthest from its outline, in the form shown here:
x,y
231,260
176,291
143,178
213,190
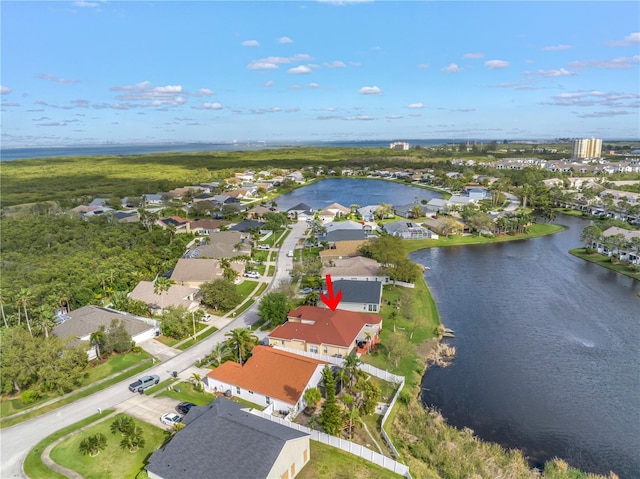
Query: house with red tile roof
x,y
333,333
270,378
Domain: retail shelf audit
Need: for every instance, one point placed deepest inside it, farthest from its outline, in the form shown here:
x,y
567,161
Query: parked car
x,y
143,383
252,274
184,407
290,254
170,419
306,290
264,246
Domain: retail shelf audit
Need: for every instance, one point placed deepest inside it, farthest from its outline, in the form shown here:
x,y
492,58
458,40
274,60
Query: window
x,y
237,389
325,350
373,307
282,342
293,470
313,349
268,399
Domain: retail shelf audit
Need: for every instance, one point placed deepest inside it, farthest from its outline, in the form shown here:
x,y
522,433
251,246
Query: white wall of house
x,y
360,307
293,457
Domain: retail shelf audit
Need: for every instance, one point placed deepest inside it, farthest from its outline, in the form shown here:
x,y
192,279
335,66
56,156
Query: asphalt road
x,y
18,440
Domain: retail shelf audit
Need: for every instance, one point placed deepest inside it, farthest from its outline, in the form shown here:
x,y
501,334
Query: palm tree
x,y
4,318
220,352
368,337
122,424
93,444
45,316
241,341
24,298
133,440
97,339
161,285
351,363
197,380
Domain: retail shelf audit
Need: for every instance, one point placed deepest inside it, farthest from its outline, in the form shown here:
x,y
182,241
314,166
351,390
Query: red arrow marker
x,y
331,301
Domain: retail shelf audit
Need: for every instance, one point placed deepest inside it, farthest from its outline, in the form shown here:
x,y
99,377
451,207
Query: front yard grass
x,y
33,465
621,267
185,391
326,462
198,338
97,370
112,462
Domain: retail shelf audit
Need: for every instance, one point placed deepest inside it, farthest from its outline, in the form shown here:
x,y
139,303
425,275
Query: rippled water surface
x,y
548,350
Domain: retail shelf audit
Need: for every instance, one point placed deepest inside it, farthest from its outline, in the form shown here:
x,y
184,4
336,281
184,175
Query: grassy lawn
x,y
115,364
187,392
326,462
167,340
11,421
604,261
244,307
33,466
537,229
199,338
245,288
112,462
96,371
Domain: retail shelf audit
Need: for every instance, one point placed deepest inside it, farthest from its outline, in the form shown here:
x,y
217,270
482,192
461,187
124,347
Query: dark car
x,y
184,407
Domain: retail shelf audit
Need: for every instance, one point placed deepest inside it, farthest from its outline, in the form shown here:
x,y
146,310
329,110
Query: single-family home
x,y
125,216
225,244
333,211
368,213
333,333
260,379
258,212
79,324
477,193
180,224
623,249
359,295
247,226
153,199
195,271
410,210
224,439
302,211
176,295
440,225
205,227
356,268
438,205
408,230
341,249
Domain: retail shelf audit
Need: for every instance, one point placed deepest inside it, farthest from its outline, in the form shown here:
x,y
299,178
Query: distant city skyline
x,y
94,72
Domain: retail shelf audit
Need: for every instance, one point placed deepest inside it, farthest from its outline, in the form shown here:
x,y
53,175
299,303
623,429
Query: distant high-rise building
x,y
399,145
587,148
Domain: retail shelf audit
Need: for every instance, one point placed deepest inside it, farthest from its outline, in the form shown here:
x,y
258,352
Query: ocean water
x,y
10,154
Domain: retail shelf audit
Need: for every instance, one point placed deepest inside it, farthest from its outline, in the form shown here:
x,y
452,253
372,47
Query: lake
x,y
548,345
548,350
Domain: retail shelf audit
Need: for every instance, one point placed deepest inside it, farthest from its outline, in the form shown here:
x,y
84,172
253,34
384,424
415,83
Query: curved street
x,y
18,440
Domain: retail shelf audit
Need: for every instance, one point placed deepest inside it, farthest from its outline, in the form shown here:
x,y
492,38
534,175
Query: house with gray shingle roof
x,y
408,230
81,323
223,439
357,268
362,296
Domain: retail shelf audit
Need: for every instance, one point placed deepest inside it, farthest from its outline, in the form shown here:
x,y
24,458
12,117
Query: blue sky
x,y
90,71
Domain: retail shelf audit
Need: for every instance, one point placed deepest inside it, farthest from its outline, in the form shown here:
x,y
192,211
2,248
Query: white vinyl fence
x,y
373,371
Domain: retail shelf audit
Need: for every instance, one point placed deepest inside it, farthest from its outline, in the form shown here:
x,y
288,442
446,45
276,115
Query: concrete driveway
x,y
148,409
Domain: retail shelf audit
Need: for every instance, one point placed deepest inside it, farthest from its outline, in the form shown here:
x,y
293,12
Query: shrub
x,y
28,396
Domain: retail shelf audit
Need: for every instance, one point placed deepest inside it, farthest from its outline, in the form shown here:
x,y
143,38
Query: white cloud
x,y
5,90
622,62
53,78
629,40
473,56
266,110
204,92
292,110
452,68
393,117
250,43
596,98
552,73
270,63
370,90
556,48
83,3
359,118
54,123
415,105
335,64
299,70
143,95
496,64
211,106
285,40
313,85
268,84
604,114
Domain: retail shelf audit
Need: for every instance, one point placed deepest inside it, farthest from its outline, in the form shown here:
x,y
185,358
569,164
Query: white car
x,y
252,274
264,246
170,419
